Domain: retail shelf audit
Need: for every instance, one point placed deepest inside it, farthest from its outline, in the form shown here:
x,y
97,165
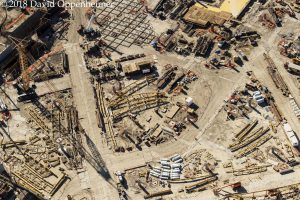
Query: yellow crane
x,y
23,61
27,70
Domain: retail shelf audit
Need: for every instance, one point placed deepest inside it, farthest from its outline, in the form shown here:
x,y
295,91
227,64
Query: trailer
x,y
291,135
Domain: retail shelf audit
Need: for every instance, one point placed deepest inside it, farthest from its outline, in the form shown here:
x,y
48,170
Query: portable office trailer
x,y
291,135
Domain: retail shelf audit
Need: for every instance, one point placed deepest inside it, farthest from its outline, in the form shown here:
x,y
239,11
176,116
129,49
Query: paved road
x,y
260,69
86,106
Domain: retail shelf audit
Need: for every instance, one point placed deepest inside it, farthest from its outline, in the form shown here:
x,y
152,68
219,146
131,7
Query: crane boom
x,y
23,61
88,28
35,66
24,64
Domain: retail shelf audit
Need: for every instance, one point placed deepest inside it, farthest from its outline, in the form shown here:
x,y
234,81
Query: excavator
x,y
296,61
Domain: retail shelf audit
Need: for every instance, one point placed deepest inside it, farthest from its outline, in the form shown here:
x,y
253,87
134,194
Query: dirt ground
x,y
212,131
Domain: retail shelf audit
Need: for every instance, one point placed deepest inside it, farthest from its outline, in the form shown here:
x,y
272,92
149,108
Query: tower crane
x,y
23,60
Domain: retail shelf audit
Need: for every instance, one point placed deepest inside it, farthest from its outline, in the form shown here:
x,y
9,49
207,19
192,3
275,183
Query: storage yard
x,y
151,99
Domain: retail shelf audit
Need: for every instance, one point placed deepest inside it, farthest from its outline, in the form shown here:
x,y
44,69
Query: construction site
x,y
150,99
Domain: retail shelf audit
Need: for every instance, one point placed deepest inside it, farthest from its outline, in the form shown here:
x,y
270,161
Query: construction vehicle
x,y
120,177
89,29
238,60
6,115
296,61
107,54
3,106
242,55
120,185
215,62
81,30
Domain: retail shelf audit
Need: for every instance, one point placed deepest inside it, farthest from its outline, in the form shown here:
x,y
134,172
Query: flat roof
x,y
234,7
138,61
134,65
201,15
130,68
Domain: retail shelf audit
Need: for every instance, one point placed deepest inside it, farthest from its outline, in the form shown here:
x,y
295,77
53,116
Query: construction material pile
x,y
170,168
290,47
276,12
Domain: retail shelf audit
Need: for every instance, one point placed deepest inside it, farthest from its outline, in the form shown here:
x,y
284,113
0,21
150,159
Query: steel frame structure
x,y
124,24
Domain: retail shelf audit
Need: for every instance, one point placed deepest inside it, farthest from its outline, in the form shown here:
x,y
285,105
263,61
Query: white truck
x,y
120,177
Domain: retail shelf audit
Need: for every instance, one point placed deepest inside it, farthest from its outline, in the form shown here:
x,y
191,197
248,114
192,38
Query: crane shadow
x,y
100,164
